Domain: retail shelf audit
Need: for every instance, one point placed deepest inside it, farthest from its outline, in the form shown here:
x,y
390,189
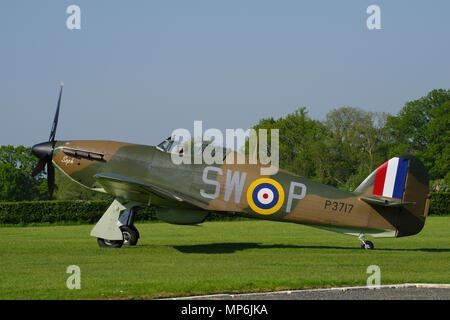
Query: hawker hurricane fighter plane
x,y
393,201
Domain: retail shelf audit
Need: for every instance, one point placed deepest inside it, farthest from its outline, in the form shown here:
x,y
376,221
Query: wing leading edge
x,y
130,189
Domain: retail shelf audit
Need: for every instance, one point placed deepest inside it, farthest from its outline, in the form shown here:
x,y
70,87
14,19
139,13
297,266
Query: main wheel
x,y
104,243
367,245
130,235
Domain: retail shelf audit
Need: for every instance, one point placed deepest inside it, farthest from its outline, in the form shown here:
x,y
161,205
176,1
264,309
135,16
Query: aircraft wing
x,y
131,189
380,201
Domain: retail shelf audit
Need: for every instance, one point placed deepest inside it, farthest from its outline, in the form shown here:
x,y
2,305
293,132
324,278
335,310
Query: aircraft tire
x,y
130,235
367,245
103,243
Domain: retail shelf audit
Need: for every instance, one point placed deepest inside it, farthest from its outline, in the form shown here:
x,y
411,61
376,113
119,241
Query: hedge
x,y
440,203
58,211
82,211
62,211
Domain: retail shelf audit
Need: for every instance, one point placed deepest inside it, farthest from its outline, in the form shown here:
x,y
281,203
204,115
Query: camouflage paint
x,y
322,206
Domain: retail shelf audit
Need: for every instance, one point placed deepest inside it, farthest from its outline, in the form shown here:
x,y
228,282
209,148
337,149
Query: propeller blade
x,y
50,178
55,120
39,167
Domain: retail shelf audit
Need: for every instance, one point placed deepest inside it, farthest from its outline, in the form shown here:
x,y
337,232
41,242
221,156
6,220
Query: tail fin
x,y
400,182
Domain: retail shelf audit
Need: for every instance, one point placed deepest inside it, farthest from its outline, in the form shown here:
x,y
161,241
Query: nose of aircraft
x,y
43,150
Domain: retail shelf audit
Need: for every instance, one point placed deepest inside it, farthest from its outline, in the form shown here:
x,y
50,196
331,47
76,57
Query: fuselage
x,y
225,188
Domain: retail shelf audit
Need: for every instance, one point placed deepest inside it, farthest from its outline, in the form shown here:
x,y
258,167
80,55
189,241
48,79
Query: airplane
x,y
393,201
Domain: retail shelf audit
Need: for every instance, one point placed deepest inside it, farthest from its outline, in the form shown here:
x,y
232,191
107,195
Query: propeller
x,y
44,150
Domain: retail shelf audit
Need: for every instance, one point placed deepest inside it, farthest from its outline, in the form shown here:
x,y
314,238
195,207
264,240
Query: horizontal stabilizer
x,y
379,201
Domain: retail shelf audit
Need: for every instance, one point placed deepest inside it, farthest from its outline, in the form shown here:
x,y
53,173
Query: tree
x,y
298,136
354,145
422,128
437,152
16,183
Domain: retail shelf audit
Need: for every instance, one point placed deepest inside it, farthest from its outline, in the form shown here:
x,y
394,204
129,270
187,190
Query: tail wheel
x,y
367,245
130,235
104,243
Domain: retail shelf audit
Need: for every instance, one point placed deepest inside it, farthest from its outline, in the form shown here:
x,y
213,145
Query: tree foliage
x,y
422,128
16,183
298,138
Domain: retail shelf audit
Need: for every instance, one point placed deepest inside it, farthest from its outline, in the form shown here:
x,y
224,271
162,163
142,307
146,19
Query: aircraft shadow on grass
x,y
220,248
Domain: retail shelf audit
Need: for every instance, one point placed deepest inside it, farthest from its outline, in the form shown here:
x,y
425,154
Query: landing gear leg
x,y
367,245
112,231
129,231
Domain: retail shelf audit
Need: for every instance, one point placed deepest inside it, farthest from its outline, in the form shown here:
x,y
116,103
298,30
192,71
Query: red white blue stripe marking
x,y
390,178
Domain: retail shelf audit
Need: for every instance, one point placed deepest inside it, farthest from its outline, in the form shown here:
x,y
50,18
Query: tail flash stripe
x,y
391,173
390,178
379,179
400,178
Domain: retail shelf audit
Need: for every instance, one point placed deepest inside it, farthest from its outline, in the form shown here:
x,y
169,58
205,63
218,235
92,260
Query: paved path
x,y
386,292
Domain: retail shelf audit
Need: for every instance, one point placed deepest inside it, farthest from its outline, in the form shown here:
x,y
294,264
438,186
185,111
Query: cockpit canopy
x,y
177,145
165,145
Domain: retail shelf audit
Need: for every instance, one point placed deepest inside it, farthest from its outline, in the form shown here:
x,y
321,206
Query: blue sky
x,y
139,69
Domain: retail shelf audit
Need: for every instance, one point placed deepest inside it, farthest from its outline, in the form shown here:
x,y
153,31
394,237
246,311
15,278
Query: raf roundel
x,y
265,196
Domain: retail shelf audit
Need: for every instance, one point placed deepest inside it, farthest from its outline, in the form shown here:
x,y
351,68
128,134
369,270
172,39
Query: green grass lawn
x,y
215,257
